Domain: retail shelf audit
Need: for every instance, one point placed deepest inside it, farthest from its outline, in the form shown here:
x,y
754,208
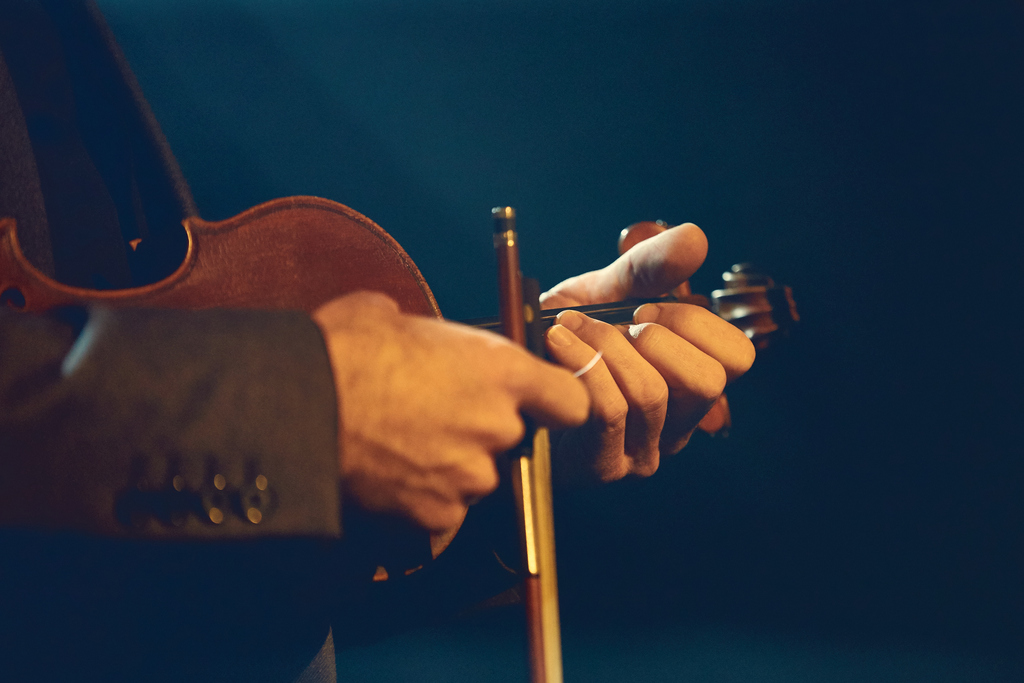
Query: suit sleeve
x,y
168,425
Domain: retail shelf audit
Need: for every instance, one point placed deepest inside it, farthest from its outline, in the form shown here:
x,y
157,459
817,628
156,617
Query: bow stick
x,y
531,469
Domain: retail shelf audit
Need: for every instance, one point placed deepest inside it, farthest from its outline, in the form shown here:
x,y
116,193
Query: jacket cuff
x,y
172,424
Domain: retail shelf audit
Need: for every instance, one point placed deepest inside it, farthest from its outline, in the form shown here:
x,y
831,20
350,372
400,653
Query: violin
x,y
301,252
292,253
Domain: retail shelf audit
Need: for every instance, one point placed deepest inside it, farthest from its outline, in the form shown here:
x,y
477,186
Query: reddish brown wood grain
x,y
291,253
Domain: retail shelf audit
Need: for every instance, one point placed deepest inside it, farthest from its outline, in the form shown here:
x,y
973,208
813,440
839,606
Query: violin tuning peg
x,y
746,275
752,301
638,232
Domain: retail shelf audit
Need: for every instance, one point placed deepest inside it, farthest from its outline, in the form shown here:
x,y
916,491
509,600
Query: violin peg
x,y
752,301
638,232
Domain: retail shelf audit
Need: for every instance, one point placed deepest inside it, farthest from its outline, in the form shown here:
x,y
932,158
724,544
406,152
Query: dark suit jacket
x,y
131,440
169,504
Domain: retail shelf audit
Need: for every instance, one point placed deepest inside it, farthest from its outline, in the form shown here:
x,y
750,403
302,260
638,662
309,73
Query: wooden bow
x,y
530,471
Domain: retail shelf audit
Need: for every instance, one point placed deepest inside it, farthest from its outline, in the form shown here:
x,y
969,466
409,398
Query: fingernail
x,y
647,313
571,320
559,336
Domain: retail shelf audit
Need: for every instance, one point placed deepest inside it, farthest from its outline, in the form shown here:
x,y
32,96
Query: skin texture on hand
x,y
425,405
657,378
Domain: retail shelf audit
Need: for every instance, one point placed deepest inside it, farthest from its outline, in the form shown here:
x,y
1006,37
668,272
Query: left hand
x,y
658,377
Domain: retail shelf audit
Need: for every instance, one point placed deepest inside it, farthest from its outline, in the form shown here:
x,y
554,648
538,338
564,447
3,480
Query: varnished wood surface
x,y
291,253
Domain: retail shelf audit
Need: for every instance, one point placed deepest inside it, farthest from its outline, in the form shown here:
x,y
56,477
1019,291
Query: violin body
x,y
301,252
291,253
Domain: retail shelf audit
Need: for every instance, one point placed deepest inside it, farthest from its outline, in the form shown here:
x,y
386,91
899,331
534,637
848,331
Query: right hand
x,y
425,405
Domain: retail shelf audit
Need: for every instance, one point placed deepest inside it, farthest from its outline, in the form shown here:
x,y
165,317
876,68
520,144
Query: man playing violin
x,y
107,415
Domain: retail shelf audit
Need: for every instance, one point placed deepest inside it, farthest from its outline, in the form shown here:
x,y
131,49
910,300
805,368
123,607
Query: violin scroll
x,y
752,301
748,299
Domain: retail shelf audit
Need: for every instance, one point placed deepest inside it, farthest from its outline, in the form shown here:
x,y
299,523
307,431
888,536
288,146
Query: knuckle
x,y
740,348
612,413
430,519
578,403
646,467
613,471
654,395
438,516
712,381
720,379
747,355
511,431
647,337
447,517
597,332
483,479
675,441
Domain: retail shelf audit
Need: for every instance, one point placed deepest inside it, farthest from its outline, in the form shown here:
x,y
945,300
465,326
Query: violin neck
x,y
614,313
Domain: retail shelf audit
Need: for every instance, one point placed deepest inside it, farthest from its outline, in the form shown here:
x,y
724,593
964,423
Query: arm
x,y
428,404
95,407
94,403
83,396
97,404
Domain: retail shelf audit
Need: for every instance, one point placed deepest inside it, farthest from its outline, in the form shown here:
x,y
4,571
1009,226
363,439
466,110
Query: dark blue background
x,y
864,520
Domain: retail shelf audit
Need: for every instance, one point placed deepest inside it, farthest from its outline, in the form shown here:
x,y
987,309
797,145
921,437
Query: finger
x,y
499,428
475,477
607,401
718,418
651,268
363,305
644,390
375,300
695,380
468,474
548,393
721,340
430,511
598,446
564,294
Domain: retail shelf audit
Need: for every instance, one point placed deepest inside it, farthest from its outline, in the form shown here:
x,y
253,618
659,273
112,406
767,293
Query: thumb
x,y
651,268
363,305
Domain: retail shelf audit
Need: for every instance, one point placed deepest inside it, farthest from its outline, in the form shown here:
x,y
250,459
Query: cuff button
x,y
216,515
